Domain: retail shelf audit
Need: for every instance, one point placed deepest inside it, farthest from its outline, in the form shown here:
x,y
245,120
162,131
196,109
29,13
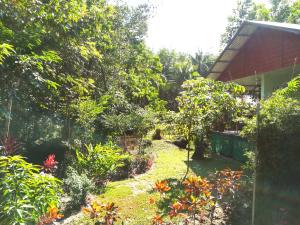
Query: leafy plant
x,y
51,216
249,165
136,121
10,146
197,198
275,131
25,193
99,161
88,111
106,214
204,105
5,50
278,122
77,186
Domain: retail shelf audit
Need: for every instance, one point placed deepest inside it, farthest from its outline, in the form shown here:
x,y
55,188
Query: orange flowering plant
x,y
162,186
195,198
51,216
104,213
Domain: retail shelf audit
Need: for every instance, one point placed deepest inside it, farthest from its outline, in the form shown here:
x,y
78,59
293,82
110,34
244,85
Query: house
x,y
262,56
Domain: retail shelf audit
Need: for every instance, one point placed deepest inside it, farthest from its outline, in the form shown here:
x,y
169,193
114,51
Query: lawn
x,y
132,195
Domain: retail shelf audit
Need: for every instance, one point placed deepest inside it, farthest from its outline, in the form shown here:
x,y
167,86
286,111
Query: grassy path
x,y
132,195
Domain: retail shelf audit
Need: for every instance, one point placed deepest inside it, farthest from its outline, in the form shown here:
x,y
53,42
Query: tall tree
x,y
294,16
177,68
66,51
279,11
239,14
202,62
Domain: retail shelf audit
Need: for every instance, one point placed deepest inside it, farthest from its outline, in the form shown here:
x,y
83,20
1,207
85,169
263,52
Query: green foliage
x,y
68,59
25,193
204,105
241,12
249,166
294,16
100,161
276,135
202,102
179,67
88,111
77,186
277,128
279,11
137,121
203,62
5,50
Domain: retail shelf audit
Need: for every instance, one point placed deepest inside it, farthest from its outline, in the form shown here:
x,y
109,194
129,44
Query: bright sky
x,y
188,25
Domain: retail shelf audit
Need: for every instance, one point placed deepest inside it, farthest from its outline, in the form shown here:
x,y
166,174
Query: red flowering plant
x,y
9,146
50,164
194,199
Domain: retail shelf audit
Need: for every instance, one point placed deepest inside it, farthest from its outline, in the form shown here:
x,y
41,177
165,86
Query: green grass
x,y
132,195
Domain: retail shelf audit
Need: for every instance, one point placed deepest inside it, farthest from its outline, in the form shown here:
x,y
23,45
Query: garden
x,y
96,128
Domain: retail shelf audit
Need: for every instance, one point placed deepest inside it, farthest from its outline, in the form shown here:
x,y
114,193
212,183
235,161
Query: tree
x,y
279,11
239,14
177,68
294,16
66,51
5,50
203,62
201,105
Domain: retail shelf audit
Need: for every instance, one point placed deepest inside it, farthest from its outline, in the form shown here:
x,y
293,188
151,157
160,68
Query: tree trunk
x,y
199,148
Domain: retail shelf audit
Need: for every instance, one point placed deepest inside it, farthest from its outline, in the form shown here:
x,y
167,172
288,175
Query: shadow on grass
x,y
210,165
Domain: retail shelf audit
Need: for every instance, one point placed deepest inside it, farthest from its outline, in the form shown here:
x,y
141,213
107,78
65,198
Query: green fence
x,y
230,145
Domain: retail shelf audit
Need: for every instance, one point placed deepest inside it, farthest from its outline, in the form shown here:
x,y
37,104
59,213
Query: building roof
x,y
244,33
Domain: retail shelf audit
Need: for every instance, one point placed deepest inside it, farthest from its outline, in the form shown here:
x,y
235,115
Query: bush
x,y
100,161
77,186
195,199
136,121
249,165
141,164
25,193
278,135
277,169
134,165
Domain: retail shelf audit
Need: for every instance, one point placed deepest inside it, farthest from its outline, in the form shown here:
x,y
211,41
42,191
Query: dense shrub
x,y
140,164
25,193
136,121
195,199
277,137
77,186
100,161
144,144
278,134
134,165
